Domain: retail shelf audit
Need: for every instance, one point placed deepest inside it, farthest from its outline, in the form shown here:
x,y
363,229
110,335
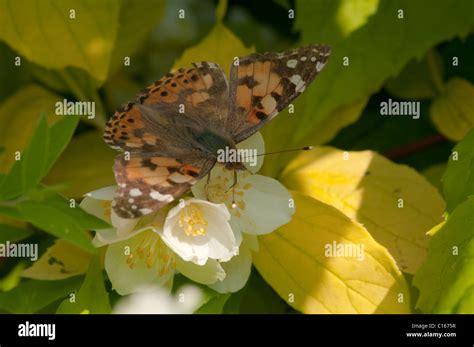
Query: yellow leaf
x,y
284,127
19,116
83,173
452,112
296,262
62,260
395,203
220,46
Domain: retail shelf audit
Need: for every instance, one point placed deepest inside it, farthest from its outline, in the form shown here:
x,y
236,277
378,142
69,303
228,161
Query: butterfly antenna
x,y
306,148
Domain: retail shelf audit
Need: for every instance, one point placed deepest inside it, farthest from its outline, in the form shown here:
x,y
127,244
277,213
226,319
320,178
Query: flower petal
x,y
138,261
217,240
237,269
267,205
99,208
208,273
254,142
106,193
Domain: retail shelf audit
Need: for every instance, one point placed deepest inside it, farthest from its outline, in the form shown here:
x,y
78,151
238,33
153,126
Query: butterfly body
x,y
175,129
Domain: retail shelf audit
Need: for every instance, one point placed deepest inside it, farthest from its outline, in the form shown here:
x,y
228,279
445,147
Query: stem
x,y
411,148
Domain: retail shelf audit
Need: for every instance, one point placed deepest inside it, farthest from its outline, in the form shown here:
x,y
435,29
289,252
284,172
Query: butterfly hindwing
x,y
147,183
262,85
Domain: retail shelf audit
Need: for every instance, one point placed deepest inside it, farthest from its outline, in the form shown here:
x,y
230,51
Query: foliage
x,y
348,192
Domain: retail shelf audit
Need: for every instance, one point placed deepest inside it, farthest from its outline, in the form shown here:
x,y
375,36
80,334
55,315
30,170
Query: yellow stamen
x,y
192,221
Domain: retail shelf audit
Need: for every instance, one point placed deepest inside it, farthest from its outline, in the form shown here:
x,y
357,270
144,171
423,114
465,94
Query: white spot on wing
x,y
295,79
161,197
303,58
145,211
292,63
135,192
319,66
313,58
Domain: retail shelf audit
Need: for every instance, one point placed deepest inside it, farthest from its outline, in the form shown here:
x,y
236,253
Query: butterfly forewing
x,y
261,85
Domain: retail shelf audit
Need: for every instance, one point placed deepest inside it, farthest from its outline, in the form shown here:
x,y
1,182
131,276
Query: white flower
x,y
136,255
262,204
198,230
152,300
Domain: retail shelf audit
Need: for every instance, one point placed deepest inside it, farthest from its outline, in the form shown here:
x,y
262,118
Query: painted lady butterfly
x,y
174,129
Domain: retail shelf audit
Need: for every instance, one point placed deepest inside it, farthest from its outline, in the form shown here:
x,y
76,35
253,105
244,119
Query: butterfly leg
x,y
207,185
234,205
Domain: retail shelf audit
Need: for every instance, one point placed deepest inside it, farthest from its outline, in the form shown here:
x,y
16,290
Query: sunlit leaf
x,y
219,46
60,261
46,33
395,204
452,112
294,261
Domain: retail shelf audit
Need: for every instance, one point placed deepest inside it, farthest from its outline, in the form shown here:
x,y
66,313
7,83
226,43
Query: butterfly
x,y
174,129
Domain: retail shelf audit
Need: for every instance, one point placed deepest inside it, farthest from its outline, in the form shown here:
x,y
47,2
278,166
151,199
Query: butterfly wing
x,y
161,118
160,130
148,182
264,84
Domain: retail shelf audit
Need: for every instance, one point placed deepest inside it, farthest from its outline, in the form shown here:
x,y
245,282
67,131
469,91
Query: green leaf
x,y
434,173
18,120
372,55
259,298
419,79
446,280
45,33
136,21
56,217
45,147
458,180
11,212
12,233
34,159
92,297
452,112
83,173
31,296
214,305
60,134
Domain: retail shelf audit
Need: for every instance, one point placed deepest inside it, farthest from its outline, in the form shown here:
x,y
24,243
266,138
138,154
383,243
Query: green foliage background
x,y
409,58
